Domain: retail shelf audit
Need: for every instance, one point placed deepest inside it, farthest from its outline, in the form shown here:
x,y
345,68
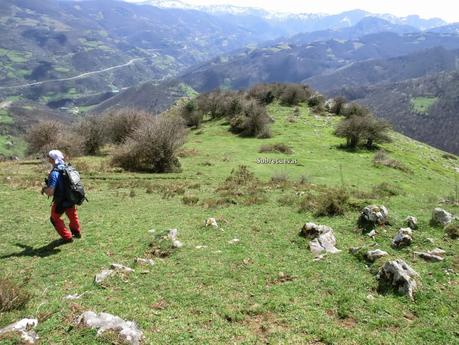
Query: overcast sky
x,y
445,9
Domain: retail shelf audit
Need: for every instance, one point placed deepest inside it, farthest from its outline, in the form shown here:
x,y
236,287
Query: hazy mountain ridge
x,y
380,71
294,63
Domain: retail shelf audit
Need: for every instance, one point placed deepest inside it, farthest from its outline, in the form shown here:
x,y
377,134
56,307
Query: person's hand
x,y
43,190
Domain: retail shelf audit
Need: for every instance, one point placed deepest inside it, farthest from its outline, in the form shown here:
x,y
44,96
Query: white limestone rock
x,y
25,329
403,238
399,276
373,255
322,238
128,331
441,217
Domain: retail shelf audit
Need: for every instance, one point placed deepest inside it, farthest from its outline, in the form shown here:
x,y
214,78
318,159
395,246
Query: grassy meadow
x,y
266,288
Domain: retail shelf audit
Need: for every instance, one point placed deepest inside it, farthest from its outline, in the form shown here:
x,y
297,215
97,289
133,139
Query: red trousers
x,y
59,225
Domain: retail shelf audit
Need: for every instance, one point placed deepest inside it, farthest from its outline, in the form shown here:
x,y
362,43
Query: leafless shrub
x,y
47,135
122,123
153,147
92,133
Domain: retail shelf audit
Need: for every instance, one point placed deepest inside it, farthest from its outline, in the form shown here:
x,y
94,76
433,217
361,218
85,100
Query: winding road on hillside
x,y
80,76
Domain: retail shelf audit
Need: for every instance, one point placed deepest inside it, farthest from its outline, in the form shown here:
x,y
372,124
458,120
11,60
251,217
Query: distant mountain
x,y
447,29
292,23
294,63
52,39
424,108
390,70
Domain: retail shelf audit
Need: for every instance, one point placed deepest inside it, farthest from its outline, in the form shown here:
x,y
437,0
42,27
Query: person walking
x,y
55,187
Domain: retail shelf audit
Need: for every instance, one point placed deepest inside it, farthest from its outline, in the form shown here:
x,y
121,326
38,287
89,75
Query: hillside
x,y
293,63
380,71
423,108
52,39
264,288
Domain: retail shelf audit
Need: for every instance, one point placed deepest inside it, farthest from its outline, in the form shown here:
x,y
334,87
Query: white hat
x,y
57,156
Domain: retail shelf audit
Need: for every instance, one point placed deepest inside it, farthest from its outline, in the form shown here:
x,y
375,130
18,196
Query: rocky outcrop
x,y
441,217
128,331
322,238
373,255
397,275
24,328
373,215
403,238
411,222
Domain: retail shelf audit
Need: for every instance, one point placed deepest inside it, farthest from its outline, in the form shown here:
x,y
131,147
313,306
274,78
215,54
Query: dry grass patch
x,y
12,295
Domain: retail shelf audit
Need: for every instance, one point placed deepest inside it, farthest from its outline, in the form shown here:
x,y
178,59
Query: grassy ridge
x,y
264,288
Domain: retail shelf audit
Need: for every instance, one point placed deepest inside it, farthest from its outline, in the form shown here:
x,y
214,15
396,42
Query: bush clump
x,y
365,129
47,135
452,230
252,121
153,147
12,296
279,147
332,202
91,130
122,123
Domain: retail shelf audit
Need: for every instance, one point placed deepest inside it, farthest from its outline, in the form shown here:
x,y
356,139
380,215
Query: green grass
x,y
421,105
5,118
233,293
12,146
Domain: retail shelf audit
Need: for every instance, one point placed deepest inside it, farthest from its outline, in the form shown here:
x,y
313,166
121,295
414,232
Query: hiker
x,y
55,187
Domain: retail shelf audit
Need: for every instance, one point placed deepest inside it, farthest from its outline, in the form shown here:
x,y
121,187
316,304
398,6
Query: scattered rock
x,y
431,240
319,257
441,217
433,255
200,247
24,328
372,234
74,297
144,262
100,277
114,268
173,233
373,215
128,331
121,268
354,250
211,222
152,231
399,276
373,255
234,240
403,238
411,222
322,238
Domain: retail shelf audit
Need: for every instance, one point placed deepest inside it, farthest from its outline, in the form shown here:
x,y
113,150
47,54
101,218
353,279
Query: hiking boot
x,y
75,234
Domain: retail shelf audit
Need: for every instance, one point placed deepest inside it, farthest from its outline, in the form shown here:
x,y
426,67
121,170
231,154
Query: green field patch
x,y
5,118
62,69
421,105
12,146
